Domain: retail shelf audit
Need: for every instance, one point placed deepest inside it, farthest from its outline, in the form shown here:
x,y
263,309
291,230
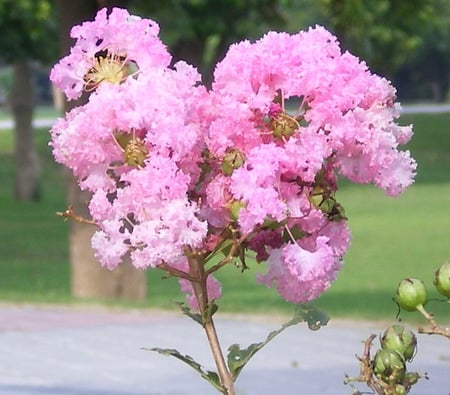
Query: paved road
x,y
92,351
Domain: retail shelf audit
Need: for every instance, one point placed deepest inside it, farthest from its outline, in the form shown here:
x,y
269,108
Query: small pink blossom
x,y
117,33
255,184
109,244
301,275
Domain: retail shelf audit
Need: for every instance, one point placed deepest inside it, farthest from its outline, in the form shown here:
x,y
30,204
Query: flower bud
x,y
400,389
283,125
233,159
235,207
400,339
389,365
442,279
411,294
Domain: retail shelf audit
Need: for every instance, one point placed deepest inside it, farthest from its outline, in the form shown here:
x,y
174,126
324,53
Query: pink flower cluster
x,y
173,167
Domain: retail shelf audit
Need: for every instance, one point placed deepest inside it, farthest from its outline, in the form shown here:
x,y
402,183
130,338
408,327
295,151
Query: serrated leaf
x,y
188,312
237,358
211,377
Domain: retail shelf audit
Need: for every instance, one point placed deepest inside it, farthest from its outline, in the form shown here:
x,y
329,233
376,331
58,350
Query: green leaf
x,y
188,312
197,317
313,317
237,358
212,309
211,377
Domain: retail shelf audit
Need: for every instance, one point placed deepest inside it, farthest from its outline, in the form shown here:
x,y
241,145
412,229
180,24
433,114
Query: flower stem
x,y
199,276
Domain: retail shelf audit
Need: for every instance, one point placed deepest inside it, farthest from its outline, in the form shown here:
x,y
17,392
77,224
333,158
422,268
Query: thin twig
x,y
435,328
70,214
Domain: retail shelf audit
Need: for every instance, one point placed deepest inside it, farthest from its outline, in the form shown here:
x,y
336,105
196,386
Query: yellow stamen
x,y
135,153
111,68
134,149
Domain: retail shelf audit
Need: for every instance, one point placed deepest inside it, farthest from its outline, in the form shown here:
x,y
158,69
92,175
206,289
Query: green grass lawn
x,y
392,239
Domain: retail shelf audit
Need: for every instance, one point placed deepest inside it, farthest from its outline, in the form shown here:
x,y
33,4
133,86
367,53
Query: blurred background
x,y
406,41
43,259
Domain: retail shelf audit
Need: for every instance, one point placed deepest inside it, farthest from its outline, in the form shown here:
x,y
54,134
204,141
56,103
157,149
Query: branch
x,y
197,271
434,329
176,272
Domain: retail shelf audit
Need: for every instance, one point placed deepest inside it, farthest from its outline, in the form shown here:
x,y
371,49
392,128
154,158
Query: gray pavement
x,y
98,351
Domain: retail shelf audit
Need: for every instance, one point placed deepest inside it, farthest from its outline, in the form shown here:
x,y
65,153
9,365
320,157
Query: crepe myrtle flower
x,y
180,174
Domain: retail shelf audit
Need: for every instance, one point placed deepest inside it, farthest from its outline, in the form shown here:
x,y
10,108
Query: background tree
x,y
387,34
26,27
426,72
88,278
383,32
200,31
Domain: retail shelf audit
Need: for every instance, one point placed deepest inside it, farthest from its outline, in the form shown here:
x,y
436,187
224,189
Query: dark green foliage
x,y
28,30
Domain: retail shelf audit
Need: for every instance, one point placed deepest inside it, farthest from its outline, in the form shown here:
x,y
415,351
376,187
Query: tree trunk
x,y
26,184
88,278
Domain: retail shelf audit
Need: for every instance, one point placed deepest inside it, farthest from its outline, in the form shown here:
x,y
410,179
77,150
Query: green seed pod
x,y
442,279
411,294
400,339
389,366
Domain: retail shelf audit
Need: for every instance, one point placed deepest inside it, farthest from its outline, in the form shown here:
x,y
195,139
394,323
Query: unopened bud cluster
x,y
386,373
398,346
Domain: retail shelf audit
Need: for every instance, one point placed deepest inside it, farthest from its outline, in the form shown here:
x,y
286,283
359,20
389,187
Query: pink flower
x,y
154,218
256,185
109,244
301,275
213,287
175,168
